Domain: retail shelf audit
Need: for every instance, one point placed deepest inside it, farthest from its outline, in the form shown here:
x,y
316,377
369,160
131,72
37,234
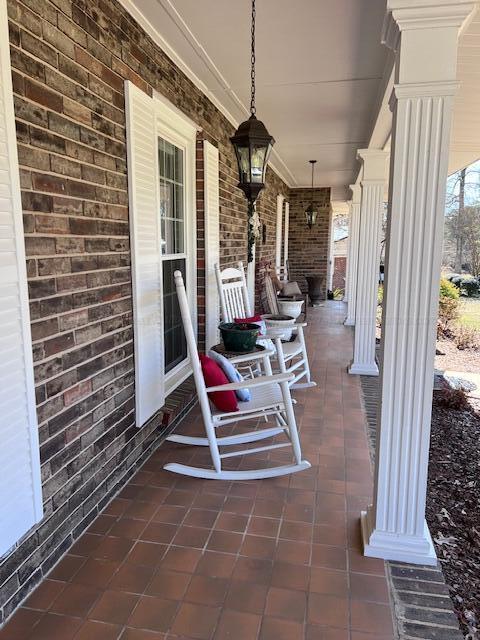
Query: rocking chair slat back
x,y
232,287
271,296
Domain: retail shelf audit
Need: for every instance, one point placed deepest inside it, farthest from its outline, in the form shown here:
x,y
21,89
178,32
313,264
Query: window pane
x,y
178,203
178,165
169,171
173,237
172,197
161,157
174,337
166,199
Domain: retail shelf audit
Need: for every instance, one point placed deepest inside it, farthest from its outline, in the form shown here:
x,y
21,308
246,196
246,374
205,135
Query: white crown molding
x,y
278,165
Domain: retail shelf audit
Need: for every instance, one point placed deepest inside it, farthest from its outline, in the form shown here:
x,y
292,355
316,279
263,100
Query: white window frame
x,y
173,126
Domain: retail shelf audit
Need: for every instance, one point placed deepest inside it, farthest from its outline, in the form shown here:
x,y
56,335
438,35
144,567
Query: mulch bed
x,y
467,360
453,504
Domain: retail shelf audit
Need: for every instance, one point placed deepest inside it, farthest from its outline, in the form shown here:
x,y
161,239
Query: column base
x,y
363,369
394,546
349,322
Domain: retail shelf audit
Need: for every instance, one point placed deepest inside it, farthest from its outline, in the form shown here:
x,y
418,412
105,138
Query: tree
x,y
471,226
460,232
463,192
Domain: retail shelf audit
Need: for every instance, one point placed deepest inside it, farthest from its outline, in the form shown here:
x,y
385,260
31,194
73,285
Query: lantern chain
x,y
252,72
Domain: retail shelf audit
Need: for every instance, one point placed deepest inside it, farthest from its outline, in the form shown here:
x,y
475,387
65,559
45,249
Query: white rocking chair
x,y
270,397
292,356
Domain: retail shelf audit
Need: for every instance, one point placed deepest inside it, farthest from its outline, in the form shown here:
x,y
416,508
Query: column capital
x,y
426,33
373,164
403,15
356,193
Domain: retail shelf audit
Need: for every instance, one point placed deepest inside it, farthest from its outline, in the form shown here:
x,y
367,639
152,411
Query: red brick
x,y
77,393
40,94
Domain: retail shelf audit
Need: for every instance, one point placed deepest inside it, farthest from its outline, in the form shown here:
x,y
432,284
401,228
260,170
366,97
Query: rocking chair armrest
x,y
253,382
248,357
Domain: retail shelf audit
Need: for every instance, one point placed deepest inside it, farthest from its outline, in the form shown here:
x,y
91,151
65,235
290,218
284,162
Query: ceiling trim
x,y
282,171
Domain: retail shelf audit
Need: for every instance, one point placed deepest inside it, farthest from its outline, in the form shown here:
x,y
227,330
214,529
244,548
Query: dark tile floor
x,y
174,557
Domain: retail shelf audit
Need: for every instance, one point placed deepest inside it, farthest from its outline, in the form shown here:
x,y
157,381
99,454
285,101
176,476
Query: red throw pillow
x,y
256,318
213,376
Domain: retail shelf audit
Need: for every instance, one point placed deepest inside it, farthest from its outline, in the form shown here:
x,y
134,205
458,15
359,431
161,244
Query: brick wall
x,y
69,62
308,248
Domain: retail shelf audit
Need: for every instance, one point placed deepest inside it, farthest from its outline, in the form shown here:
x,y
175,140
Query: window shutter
x,y
20,483
278,236
146,250
286,232
212,241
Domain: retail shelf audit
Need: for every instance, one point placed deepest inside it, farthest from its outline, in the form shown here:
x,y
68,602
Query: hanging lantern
x,y
310,213
252,144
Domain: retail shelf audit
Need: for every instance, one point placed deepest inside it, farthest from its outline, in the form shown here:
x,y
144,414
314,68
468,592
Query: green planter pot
x,y
239,338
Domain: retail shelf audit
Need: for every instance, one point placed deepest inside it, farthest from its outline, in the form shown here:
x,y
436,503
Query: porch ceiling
x,y
321,75
319,71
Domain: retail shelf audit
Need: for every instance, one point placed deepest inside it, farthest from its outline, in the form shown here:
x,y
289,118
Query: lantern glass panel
x,y
243,159
311,216
258,162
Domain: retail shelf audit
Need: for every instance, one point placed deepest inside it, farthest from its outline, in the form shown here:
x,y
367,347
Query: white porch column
x,y
424,34
371,215
330,250
352,257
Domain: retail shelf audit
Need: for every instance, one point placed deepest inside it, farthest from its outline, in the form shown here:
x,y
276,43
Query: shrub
x,y
471,287
452,276
447,306
452,399
448,289
466,338
380,294
466,284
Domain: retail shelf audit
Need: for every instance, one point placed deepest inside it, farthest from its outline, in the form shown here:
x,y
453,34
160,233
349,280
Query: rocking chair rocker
x,y
270,396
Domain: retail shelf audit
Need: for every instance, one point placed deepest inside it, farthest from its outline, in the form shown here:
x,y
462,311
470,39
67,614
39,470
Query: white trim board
x,y
212,242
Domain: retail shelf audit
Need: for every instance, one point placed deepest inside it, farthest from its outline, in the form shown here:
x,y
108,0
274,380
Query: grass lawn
x,y
470,312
